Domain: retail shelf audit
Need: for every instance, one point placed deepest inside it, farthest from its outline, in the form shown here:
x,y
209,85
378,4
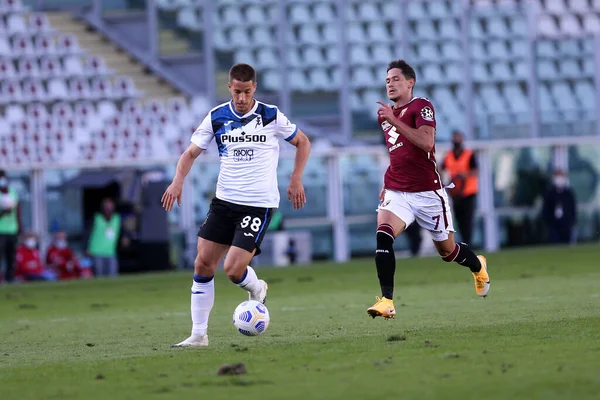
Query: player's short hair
x,y
242,72
407,70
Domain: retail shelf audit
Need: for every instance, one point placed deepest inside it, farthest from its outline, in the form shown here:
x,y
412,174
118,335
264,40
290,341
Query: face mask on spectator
x,y
61,243
3,183
30,243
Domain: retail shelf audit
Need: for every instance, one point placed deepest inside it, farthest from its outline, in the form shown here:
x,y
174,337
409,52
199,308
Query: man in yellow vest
x,y
10,225
461,164
104,240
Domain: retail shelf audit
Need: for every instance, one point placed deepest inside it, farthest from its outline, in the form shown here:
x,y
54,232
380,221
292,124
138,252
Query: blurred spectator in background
x,y
104,239
29,266
560,209
413,233
10,225
61,259
461,165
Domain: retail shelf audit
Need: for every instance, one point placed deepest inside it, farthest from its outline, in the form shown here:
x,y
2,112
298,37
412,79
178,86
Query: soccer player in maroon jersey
x,y
413,189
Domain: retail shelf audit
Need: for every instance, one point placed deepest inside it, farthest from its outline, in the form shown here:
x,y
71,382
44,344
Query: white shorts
x,y
430,209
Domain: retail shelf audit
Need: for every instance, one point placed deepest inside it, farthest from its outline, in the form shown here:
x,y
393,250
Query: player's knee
x,y
234,271
449,253
385,239
203,267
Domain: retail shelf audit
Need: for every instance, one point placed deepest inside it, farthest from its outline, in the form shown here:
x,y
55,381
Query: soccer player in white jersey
x,y
247,133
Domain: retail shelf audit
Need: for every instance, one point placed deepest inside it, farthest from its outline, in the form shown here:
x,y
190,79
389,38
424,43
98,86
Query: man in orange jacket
x,y
461,164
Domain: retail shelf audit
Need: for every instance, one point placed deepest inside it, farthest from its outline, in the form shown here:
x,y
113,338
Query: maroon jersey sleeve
x,y
425,114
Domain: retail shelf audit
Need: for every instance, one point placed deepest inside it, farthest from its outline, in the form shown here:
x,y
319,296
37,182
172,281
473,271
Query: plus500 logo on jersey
x,y
244,138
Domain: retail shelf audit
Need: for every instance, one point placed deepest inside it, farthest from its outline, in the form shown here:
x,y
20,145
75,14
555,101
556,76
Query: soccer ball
x,y
251,318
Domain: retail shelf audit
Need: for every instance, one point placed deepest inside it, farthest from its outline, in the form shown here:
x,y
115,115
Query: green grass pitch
x,y
536,336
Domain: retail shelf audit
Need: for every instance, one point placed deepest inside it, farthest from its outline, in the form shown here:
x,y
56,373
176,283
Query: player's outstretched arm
x,y
295,189
423,137
184,165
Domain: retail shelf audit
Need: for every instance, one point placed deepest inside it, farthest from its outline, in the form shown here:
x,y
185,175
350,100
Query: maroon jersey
x,y
411,168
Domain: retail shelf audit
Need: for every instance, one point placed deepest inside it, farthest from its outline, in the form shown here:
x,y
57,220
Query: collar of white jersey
x,y
252,110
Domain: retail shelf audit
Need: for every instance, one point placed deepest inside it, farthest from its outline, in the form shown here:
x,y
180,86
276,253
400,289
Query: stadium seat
x,y
475,29
382,53
416,10
359,56
438,9
432,73
28,68
14,113
478,52
591,23
299,13
245,56
350,13
124,87
496,27
362,77
38,23
579,6
33,90
569,25
569,47
323,12
563,96
309,35
256,15
101,88
332,55
79,88
449,29
517,100
312,57
190,19
73,66
331,34
569,68
547,26
389,10
45,44
546,70
589,67
378,32
425,30
299,83
15,24
596,5
555,7
267,58
50,67
519,49
545,98
355,33
264,36
501,71
519,27
293,58
586,94
230,15
455,71
62,110
22,46
5,47
36,112
480,72
367,11
57,89
167,4
7,69
68,44
546,48
497,49
492,98
428,52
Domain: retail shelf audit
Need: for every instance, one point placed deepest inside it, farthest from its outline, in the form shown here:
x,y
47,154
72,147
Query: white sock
x,y
250,282
203,299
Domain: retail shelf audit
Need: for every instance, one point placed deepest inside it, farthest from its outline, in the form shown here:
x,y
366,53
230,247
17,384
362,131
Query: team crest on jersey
x,y
427,113
403,112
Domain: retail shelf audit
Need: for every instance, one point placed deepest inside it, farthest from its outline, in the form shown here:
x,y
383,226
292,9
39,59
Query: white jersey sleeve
x,y
285,128
204,134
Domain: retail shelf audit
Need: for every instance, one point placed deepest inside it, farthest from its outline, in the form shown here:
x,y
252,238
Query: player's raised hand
x,y
385,111
172,193
296,193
